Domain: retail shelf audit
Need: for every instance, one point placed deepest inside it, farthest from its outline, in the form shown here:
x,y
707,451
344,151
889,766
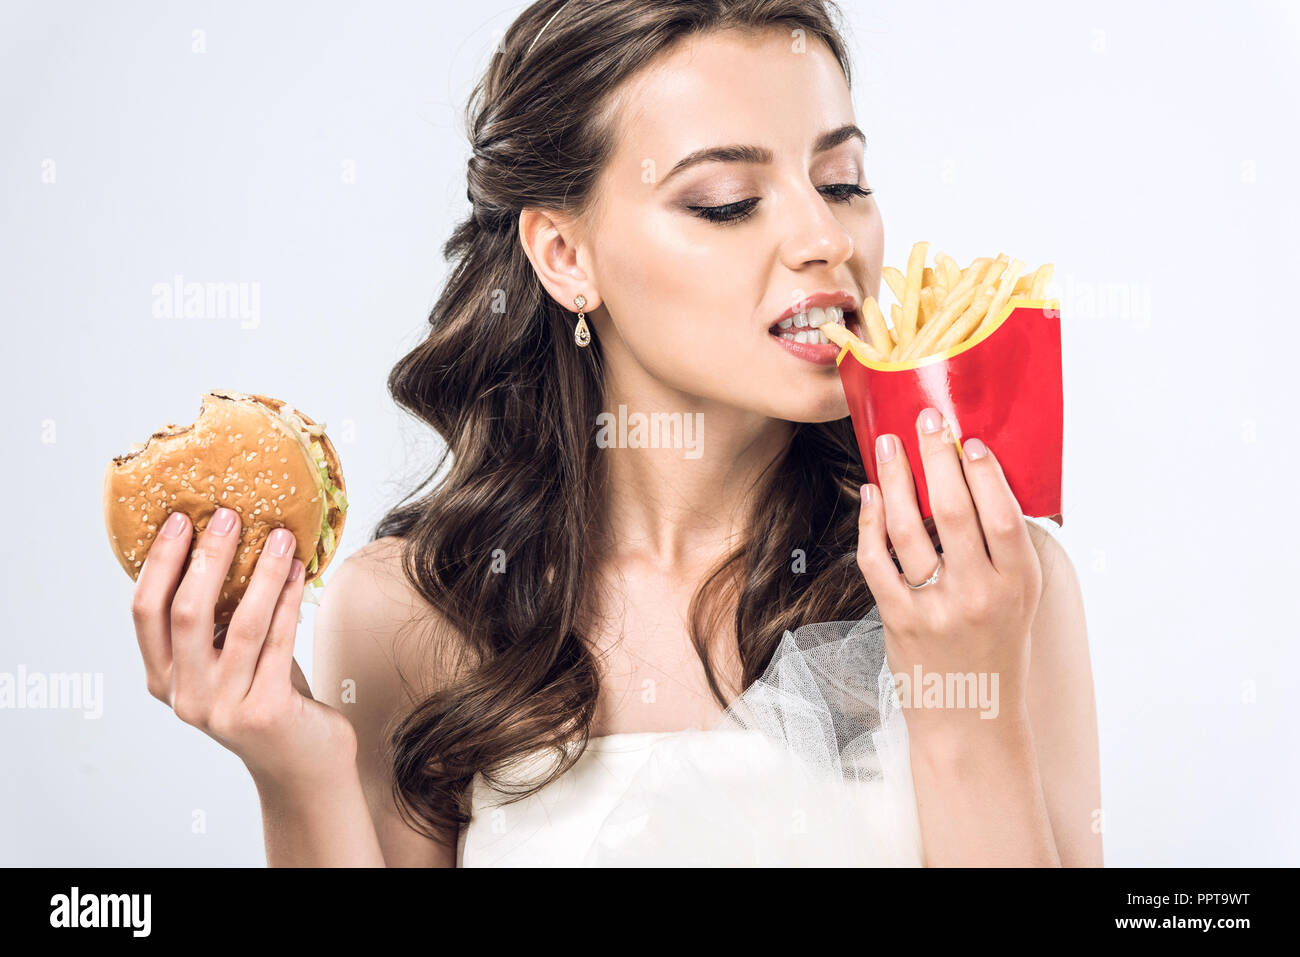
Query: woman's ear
x,y
551,242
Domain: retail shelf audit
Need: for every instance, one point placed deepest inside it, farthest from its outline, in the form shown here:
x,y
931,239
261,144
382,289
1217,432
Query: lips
x,y
820,300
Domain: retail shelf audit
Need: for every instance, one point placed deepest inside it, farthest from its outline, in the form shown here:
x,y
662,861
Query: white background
x,y
1147,150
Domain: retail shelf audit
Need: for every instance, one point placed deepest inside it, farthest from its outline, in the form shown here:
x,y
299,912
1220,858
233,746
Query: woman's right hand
x,y
246,692
974,620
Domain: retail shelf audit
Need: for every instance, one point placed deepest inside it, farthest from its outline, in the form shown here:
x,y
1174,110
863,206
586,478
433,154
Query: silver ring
x,y
934,577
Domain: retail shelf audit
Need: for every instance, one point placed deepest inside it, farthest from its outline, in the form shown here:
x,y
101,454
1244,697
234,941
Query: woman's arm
x,y
979,796
1063,709
326,826
370,630
1023,788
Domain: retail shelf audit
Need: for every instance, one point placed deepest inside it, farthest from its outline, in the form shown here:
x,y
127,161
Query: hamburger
x,y
270,463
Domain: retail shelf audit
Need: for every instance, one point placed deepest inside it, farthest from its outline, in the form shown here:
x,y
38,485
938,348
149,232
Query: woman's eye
x,y
730,213
843,192
735,212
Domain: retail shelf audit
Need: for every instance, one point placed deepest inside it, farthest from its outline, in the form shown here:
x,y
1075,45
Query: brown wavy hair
x,y
501,381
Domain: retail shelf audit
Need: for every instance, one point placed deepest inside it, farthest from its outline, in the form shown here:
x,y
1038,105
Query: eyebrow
x,y
759,154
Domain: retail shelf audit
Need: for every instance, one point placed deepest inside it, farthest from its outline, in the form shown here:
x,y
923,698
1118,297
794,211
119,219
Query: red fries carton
x,y
1003,387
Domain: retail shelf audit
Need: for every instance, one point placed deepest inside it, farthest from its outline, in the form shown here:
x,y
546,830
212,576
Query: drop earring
x,y
581,334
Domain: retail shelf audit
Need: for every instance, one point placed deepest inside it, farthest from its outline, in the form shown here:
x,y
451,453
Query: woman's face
x,y
695,263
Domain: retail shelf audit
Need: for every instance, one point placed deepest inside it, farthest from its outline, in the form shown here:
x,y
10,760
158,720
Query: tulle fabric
x,y
808,767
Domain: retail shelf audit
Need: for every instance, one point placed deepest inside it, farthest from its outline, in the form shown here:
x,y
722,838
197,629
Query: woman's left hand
x,y
976,617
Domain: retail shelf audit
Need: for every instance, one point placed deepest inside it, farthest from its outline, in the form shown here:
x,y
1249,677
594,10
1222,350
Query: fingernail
x,y
295,569
866,494
931,421
884,448
174,524
223,520
281,542
975,449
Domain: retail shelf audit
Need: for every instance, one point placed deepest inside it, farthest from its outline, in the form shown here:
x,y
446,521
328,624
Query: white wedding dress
x,y
808,767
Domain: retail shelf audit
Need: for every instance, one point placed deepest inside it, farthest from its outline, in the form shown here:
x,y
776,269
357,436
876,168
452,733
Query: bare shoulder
x,y
373,579
371,613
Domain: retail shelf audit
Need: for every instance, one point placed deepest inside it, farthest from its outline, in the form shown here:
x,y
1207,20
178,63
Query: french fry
x,y
997,271
1008,279
1042,276
837,334
994,271
921,345
894,280
881,337
912,292
935,279
949,272
970,319
926,307
1029,286
976,268
865,349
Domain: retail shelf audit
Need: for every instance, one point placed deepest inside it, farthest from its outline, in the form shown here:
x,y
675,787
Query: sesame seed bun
x,y
239,453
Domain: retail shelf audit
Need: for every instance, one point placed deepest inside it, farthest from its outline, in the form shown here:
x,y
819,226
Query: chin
x,y
810,402
827,412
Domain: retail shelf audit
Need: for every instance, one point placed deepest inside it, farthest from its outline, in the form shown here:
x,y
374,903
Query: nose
x,y
814,234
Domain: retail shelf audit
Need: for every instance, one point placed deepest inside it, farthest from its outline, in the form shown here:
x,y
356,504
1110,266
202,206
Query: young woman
x,y
653,186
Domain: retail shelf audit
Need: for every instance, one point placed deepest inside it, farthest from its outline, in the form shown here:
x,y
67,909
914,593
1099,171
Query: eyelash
x,y
738,212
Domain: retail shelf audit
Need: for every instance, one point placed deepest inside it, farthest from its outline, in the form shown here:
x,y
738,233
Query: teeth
x,y
814,317
805,327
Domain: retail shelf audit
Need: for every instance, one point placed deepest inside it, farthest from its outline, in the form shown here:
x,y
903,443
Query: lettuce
x,y
333,495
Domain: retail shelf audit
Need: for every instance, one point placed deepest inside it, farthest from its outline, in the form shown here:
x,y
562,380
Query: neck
x,y
681,473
